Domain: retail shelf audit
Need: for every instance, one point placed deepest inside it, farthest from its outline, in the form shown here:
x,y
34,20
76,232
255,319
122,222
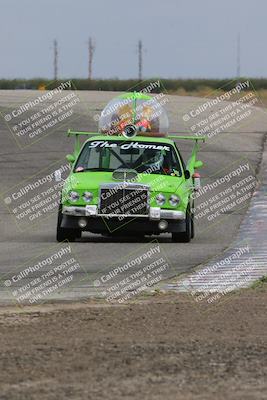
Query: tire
x,y
192,222
184,237
192,227
66,234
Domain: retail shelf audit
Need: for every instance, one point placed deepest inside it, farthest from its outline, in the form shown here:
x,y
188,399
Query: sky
x,y
181,38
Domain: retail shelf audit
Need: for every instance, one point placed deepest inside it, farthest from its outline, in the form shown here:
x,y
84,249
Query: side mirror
x,y
70,158
198,164
58,176
186,174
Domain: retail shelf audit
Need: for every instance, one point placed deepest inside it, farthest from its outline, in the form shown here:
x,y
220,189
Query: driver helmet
x,y
152,158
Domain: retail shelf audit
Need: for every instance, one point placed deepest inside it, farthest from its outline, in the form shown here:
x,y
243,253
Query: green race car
x,y
130,178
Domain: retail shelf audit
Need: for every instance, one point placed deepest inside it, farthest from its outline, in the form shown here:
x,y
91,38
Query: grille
x,y
124,201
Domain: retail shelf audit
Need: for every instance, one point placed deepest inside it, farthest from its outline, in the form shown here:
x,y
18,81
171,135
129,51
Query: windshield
x,y
105,155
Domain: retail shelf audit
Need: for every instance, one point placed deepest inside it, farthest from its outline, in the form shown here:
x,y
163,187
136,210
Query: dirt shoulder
x,y
159,348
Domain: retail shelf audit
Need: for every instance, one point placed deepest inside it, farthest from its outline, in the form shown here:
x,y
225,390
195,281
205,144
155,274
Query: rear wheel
x,y
64,233
192,227
192,222
184,237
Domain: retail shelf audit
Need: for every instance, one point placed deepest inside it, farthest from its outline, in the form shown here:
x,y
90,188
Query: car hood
x,y
93,180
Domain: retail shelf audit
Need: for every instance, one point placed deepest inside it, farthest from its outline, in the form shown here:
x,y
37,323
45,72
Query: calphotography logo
x,y
226,192
224,112
34,199
215,282
139,273
41,115
44,277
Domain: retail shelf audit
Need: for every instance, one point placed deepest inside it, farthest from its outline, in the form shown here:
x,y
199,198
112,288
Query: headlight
x,y
160,199
174,200
74,196
88,197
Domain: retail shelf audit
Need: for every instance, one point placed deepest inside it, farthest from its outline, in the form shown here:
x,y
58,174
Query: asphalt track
x,y
95,253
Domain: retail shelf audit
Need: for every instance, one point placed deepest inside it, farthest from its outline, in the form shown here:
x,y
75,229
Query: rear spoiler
x,y
81,133
77,144
74,133
196,138
191,161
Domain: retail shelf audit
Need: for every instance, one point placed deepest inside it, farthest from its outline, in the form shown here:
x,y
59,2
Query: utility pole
x,y
238,61
91,50
140,60
55,60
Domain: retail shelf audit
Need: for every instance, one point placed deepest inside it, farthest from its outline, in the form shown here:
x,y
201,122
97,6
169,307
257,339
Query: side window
x,y
89,158
92,158
83,158
180,158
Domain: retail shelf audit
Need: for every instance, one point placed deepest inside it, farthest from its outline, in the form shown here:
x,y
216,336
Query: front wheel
x,y
184,237
64,233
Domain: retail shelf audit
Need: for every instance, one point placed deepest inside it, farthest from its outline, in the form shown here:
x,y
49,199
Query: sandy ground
x,y
162,347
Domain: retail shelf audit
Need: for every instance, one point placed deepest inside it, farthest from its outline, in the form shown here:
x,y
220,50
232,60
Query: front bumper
x,y
123,224
155,213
